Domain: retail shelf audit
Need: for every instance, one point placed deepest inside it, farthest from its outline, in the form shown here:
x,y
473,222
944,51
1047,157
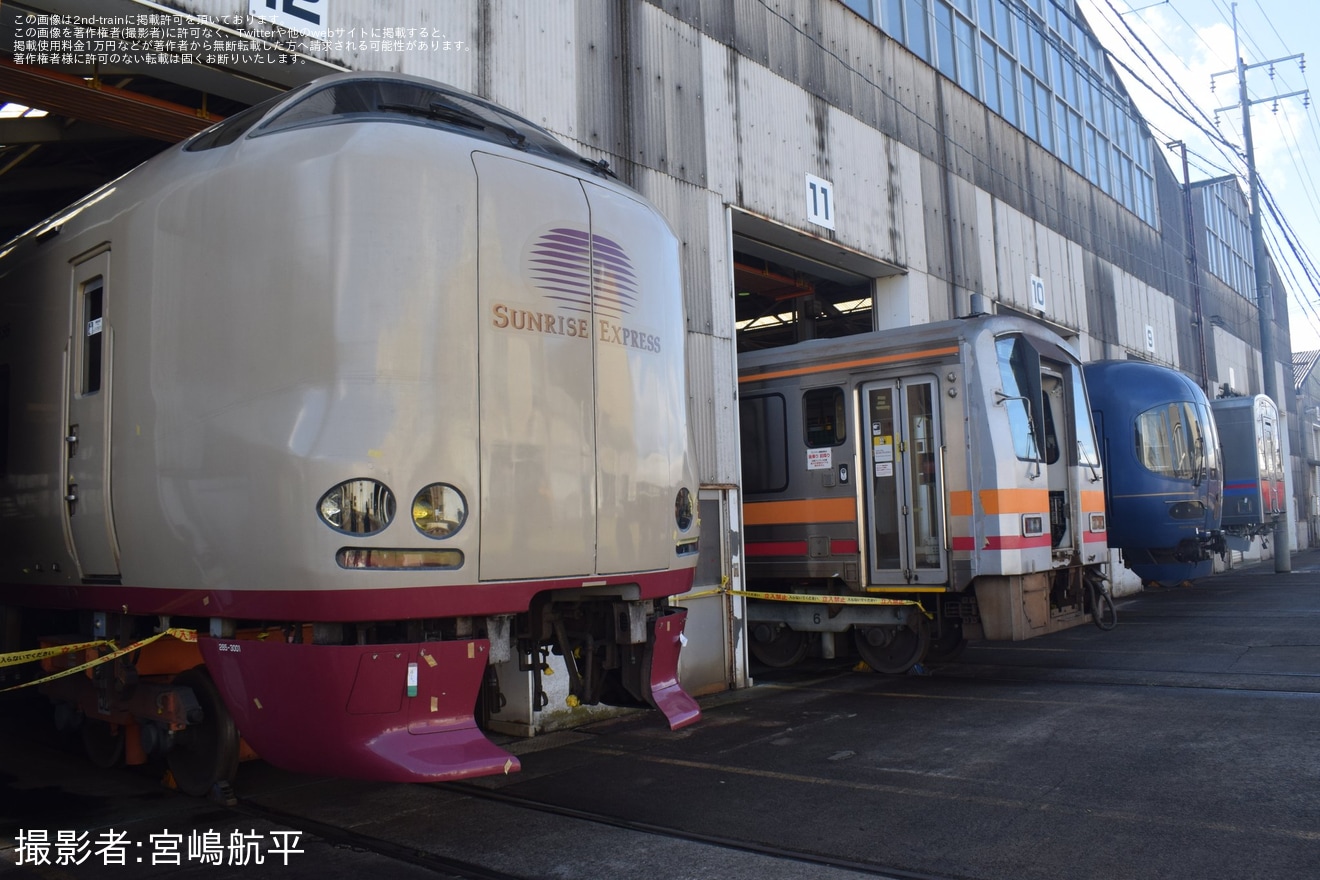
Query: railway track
x,y
346,838
770,861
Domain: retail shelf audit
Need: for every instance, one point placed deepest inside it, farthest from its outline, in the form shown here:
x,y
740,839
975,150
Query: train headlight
x,y
1187,510
357,507
684,511
439,510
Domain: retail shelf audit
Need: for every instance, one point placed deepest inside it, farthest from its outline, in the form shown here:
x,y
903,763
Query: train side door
x,y
1271,474
1058,474
904,491
86,488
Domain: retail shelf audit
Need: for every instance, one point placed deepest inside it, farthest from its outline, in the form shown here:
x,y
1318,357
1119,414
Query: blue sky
x,y
1193,40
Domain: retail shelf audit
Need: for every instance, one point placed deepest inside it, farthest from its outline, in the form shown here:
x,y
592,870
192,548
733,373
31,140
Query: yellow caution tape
x,y
719,591
46,653
823,600
810,599
183,635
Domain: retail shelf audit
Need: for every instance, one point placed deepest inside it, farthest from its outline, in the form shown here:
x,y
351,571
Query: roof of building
x,y
1303,362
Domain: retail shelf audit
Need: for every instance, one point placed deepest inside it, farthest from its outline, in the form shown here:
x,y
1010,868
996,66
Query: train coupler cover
x,y
666,694
396,713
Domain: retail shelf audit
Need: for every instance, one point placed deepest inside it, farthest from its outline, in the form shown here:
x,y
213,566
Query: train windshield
x,y
1019,371
1088,454
357,100
230,129
1172,441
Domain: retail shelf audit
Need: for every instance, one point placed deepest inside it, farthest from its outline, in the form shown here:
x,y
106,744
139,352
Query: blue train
x,y
1164,481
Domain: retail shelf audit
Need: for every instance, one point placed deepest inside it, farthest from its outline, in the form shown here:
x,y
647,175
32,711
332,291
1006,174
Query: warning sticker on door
x,y
819,459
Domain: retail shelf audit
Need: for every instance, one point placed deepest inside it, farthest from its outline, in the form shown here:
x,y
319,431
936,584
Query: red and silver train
x,y
917,488
374,387
1255,496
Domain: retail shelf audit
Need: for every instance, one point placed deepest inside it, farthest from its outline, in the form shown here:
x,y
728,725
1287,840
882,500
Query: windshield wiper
x,y
600,166
443,111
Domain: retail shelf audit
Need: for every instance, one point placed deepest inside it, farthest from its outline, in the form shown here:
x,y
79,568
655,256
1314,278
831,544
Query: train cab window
x,y
228,130
1019,373
417,103
93,305
1088,454
1169,441
763,434
823,417
1205,442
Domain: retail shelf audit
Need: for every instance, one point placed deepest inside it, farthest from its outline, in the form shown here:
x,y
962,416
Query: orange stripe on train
x,y
851,365
815,510
1001,501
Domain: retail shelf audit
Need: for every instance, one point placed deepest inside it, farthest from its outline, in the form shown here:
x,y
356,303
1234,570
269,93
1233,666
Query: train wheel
x,y
203,754
946,647
893,649
778,646
103,742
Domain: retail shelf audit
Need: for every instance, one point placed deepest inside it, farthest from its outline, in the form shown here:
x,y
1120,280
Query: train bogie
x,y
1164,490
937,482
373,386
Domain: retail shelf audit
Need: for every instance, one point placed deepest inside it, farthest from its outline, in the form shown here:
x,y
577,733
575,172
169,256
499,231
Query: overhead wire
x,y
1301,260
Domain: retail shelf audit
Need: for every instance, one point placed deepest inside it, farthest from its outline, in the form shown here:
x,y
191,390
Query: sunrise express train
x,y
926,485
1164,483
375,386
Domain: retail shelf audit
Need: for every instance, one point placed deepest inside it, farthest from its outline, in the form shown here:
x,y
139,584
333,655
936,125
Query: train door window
x,y
1019,372
881,412
1049,399
763,435
93,308
1271,463
923,447
823,417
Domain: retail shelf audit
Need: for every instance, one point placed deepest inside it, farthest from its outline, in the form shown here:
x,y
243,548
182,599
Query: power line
x,y
1293,259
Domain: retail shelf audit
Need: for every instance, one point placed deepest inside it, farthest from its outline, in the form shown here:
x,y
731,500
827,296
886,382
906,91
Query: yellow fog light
x,y
439,510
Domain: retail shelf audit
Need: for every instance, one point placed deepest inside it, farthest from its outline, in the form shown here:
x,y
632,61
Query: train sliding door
x,y
87,500
904,495
1058,470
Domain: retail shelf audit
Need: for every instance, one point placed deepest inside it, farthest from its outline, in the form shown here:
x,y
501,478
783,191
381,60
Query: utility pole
x,y
1264,297
1193,271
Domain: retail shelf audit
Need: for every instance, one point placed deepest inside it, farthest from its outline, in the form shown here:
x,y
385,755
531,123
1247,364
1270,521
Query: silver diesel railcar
x,y
916,488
